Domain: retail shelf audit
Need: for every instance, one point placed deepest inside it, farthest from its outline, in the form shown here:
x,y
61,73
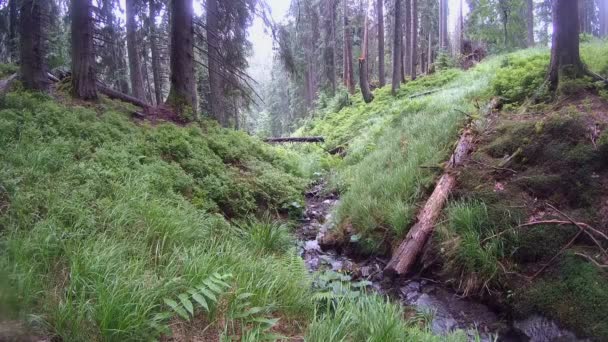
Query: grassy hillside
x,y
394,147
394,144
112,230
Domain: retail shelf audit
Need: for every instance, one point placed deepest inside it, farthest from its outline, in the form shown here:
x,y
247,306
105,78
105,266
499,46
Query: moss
x,y
509,138
532,243
576,296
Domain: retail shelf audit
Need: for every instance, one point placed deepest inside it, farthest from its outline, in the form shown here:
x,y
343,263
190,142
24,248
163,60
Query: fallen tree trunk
x,y
295,140
406,255
113,94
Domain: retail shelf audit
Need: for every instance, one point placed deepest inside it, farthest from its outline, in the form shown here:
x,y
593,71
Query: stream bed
x,y
450,312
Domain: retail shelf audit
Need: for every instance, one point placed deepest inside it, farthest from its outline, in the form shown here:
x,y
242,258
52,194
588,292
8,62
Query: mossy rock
x,y
576,296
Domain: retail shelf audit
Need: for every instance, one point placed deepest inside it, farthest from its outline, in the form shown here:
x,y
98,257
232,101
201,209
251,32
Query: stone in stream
x,y
540,329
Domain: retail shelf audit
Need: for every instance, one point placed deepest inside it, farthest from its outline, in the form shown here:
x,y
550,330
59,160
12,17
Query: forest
x,y
303,170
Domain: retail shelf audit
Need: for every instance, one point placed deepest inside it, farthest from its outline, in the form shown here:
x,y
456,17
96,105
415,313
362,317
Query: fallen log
x,y
295,140
113,94
406,255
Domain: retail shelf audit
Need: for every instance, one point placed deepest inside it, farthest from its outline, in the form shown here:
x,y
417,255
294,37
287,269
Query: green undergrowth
x,y
7,70
523,73
553,159
112,230
392,145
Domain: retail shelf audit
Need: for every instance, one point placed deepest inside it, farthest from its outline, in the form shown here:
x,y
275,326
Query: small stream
x,y
450,312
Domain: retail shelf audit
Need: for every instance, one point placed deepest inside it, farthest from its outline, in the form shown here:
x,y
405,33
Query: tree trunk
x,y
12,31
397,41
182,96
216,104
156,65
443,25
33,42
565,54
407,68
603,17
414,40
530,22
329,53
380,14
430,53
349,77
83,53
363,81
134,52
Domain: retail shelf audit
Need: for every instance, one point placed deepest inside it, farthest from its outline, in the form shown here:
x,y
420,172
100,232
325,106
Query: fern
x,y
204,296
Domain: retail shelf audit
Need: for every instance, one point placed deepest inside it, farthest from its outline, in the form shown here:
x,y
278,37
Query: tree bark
x,y
407,64
414,40
349,76
216,104
443,25
83,53
12,31
430,53
156,65
329,54
33,41
405,256
134,52
530,22
603,17
363,81
182,96
397,41
380,14
565,53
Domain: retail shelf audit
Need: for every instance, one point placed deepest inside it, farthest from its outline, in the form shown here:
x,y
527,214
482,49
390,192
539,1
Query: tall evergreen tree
x,y
134,50
182,95
397,41
414,40
83,53
565,53
380,24
33,43
530,21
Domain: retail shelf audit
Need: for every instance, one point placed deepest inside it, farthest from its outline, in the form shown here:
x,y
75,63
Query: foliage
x,y
204,296
267,236
388,140
521,76
102,218
7,70
369,318
468,248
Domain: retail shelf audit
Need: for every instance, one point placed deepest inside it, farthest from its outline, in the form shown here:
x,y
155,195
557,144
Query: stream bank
x,y
425,294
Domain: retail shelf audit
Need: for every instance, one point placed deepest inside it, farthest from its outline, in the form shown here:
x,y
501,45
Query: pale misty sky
x,y
261,61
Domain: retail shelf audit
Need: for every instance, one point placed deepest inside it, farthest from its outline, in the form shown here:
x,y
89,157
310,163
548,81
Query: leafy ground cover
x,y
121,231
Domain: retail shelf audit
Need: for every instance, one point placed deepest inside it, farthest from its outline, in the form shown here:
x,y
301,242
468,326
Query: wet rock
x,y
540,329
312,245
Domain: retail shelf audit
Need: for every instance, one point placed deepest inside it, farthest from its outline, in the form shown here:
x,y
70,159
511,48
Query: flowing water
x,y
449,311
